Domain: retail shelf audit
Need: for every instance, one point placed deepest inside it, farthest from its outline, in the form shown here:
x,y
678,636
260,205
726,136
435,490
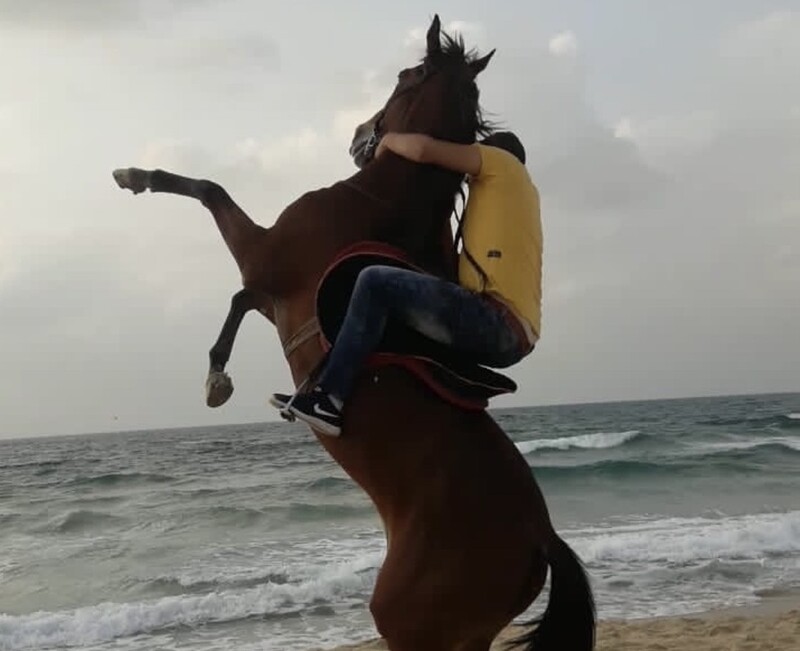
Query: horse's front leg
x,y
137,181
219,386
238,230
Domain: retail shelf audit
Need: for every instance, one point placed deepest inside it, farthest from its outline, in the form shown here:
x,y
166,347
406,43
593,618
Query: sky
x,y
664,139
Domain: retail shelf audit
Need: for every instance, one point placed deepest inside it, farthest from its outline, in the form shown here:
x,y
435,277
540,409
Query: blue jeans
x,y
464,321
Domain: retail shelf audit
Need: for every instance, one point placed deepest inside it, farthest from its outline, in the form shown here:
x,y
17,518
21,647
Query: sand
x,y
773,625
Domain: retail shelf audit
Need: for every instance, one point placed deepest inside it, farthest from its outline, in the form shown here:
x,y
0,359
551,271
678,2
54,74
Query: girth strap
x,y
309,329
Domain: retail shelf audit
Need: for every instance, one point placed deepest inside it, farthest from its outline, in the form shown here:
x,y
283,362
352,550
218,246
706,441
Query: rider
x,y
492,314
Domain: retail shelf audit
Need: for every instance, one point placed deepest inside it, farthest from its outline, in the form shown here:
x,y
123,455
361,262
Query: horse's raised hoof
x,y
132,178
219,388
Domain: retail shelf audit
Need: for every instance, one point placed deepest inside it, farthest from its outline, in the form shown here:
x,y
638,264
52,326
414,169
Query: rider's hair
x,y
507,141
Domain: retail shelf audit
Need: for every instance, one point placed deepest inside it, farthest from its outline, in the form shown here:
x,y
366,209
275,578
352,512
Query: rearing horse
x,y
469,537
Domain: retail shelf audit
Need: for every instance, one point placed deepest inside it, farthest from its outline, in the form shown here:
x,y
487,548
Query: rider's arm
x,y
417,147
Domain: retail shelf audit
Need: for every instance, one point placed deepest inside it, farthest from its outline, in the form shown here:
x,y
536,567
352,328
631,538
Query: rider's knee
x,y
372,279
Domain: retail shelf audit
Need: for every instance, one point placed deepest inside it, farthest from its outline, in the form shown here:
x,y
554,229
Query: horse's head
x,y
438,97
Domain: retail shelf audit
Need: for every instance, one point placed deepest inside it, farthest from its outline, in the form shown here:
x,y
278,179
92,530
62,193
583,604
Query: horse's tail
x,y
568,622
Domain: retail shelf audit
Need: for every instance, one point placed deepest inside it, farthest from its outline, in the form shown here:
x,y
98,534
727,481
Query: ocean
x,y
250,537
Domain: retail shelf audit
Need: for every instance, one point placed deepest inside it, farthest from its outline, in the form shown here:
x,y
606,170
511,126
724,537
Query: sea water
x,y
250,537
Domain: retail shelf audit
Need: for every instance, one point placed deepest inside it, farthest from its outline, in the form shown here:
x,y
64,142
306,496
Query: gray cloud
x,y
670,218
242,52
69,13
599,172
88,15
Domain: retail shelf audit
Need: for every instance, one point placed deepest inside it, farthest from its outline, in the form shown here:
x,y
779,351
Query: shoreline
x,y
772,624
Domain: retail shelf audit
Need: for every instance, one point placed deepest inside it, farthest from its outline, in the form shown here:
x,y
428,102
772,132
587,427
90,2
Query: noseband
x,y
374,139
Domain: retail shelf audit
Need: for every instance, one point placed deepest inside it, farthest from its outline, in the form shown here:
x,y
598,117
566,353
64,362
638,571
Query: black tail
x,y
568,622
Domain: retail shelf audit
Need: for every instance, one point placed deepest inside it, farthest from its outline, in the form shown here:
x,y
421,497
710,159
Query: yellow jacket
x,y
503,234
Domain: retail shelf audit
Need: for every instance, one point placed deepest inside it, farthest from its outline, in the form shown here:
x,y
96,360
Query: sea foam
x,y
685,540
597,441
108,621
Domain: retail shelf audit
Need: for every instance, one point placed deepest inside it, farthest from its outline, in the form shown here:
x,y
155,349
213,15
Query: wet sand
x,y
772,625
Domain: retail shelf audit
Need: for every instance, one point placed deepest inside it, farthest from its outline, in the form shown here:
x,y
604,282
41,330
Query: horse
x,y
469,538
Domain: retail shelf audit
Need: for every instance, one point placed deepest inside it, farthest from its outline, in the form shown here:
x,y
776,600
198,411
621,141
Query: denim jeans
x,y
443,311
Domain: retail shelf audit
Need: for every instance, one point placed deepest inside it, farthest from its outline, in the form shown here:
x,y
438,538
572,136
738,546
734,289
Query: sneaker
x,y
280,400
318,410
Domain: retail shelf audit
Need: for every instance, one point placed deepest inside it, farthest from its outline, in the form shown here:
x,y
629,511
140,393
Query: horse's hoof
x,y
131,178
219,388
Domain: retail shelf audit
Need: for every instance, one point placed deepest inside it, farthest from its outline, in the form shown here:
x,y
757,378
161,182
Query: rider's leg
x,y
441,310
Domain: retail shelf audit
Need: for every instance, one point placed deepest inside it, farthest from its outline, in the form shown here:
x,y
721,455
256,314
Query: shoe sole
x,y
316,423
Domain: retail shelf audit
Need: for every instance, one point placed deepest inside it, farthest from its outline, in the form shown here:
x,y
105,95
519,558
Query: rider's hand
x,y
382,146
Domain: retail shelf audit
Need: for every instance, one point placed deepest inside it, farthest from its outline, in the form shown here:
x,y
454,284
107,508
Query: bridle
x,y
377,128
375,137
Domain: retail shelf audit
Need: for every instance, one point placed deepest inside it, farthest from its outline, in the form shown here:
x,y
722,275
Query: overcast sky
x,y
664,138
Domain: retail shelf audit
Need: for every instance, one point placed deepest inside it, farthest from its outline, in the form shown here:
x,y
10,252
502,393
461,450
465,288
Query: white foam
x,y
684,540
293,561
597,441
107,621
792,442
793,416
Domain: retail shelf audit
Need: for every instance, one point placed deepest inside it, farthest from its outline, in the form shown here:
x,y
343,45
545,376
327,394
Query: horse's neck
x,y
418,199
401,203
396,181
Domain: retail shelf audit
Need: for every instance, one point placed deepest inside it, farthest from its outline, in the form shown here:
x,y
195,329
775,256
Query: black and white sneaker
x,y
280,400
316,408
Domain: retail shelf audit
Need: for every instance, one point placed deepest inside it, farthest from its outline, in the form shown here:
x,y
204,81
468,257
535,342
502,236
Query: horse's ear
x,y
479,65
434,43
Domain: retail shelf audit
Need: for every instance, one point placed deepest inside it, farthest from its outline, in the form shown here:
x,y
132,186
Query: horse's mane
x,y
467,123
454,55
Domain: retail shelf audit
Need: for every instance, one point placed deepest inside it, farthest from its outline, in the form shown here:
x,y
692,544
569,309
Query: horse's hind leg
x,y
219,386
237,229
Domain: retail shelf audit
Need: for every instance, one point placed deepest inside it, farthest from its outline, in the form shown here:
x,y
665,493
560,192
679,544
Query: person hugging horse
x,y
491,315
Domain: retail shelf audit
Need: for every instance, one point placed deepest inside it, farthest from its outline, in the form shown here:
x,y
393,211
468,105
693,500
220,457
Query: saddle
x,y
451,376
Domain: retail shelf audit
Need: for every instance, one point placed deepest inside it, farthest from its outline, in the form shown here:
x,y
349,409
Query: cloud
x,y
598,172
374,91
564,44
242,52
669,218
69,13
290,150
579,162
757,67
84,15
16,154
772,38
662,135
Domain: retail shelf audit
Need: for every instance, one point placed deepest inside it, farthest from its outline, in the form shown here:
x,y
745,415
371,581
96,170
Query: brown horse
x,y
469,538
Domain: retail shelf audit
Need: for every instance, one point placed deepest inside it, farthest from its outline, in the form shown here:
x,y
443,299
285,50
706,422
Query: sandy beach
x,y
773,625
